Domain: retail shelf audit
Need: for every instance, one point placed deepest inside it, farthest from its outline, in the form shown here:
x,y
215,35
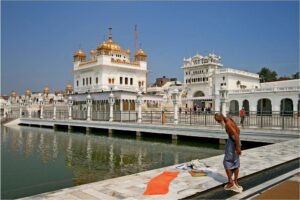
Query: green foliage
x,y
267,75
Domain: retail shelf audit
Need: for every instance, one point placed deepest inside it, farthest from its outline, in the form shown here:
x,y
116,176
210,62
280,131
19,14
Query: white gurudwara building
x,y
111,71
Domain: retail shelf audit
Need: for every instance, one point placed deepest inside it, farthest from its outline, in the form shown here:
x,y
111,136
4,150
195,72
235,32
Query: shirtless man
x,y
231,160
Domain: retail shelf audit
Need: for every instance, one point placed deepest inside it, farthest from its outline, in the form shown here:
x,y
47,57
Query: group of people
x,y
196,109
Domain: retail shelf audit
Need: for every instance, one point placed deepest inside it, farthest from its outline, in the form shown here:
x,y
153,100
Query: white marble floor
x,y
131,187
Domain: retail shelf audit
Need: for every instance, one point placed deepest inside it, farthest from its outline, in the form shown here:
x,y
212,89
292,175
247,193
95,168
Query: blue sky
x,y
38,39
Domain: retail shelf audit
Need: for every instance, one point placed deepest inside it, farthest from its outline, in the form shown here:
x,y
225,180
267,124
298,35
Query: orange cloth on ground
x,y
160,184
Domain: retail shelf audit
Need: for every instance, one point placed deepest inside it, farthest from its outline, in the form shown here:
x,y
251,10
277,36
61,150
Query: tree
x,y
267,75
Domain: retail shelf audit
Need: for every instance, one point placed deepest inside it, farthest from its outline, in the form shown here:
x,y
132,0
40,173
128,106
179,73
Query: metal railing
x,y
79,114
100,116
281,120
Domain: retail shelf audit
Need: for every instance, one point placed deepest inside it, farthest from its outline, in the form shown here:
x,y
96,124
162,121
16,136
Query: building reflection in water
x,y
69,152
20,140
92,158
55,150
28,144
89,150
111,157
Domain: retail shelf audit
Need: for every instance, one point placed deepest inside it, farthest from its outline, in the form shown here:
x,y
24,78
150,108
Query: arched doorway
x,y
246,106
264,107
234,107
286,107
199,102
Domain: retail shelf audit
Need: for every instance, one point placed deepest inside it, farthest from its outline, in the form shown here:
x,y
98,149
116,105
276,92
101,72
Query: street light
x,y
89,104
70,103
139,103
111,101
175,93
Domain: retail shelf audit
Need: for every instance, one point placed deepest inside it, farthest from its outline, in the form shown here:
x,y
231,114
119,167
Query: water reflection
x,y
90,158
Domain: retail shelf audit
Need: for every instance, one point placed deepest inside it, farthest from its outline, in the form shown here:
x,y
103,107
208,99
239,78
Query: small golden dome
x,y
79,54
28,93
140,53
128,51
13,94
69,88
92,52
46,90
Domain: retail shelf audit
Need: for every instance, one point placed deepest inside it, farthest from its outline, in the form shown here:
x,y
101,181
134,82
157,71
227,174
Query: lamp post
x,y
175,103
54,108
89,107
29,107
21,105
42,108
111,101
139,104
223,98
70,104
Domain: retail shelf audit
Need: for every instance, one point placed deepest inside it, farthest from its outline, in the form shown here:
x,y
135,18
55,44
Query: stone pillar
x,y
88,130
89,107
174,139
111,101
70,104
175,104
110,132
223,98
139,104
138,135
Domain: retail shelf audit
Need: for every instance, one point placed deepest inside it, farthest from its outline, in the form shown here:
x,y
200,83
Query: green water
x,y
37,160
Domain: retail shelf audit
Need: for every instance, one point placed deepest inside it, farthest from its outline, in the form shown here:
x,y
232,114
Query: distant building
x,y
163,80
163,85
296,76
204,76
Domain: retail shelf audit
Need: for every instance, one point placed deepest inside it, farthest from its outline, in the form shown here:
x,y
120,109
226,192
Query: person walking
x,y
233,151
242,116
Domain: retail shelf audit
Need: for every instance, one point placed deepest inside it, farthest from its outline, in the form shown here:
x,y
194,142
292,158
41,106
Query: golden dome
x,y
128,51
109,45
140,53
13,94
69,88
28,92
79,54
46,90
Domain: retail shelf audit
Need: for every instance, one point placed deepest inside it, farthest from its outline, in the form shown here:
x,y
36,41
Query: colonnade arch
x,y
245,105
264,106
286,106
234,107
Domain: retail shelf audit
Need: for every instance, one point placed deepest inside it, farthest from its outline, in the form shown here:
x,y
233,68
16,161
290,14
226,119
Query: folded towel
x,y
160,184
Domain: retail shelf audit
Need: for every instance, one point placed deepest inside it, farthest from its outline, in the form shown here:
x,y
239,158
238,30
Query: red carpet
x,y
160,184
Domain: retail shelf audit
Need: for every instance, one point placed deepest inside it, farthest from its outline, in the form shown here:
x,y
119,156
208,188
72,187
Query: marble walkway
x,y
131,187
